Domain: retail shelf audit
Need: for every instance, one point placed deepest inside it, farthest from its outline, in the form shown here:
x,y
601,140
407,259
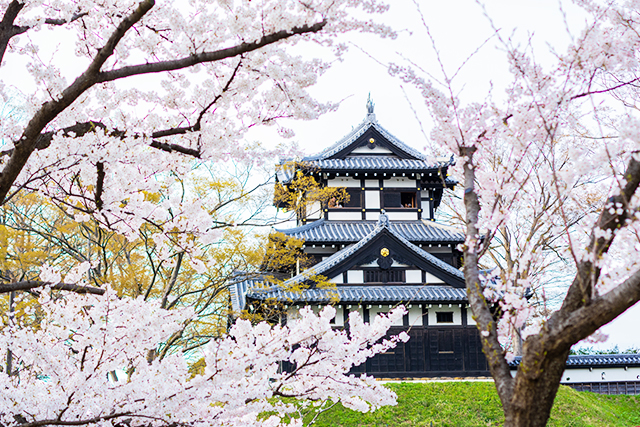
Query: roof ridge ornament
x,y
383,220
371,117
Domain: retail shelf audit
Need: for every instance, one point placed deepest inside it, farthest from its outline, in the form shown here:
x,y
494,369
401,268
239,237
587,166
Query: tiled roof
x,y
375,163
367,123
593,360
373,294
366,163
418,163
345,253
324,231
257,290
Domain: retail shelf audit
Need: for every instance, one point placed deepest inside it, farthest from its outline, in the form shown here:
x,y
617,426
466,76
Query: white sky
x,y
459,28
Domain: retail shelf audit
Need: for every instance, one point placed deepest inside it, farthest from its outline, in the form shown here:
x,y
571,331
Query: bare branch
x,y
28,285
199,58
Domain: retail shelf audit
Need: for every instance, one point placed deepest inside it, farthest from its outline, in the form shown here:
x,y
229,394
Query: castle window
x,y
408,199
355,199
399,199
384,276
444,317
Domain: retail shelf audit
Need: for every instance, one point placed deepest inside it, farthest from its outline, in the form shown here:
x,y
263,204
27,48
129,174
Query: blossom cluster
x,y
87,363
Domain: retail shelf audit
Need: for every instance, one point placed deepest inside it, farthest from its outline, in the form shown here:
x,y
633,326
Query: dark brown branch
x,y
199,58
584,321
99,185
57,422
28,142
196,127
75,17
170,148
50,110
27,285
7,29
482,314
581,290
594,92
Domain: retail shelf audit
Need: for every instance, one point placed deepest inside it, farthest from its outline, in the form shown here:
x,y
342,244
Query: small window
x,y
408,199
354,198
399,199
353,202
444,317
384,276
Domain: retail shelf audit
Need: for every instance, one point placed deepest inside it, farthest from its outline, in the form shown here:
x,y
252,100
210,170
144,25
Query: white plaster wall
x,y
583,375
373,216
415,315
430,278
424,194
314,211
355,276
437,249
371,183
402,216
377,309
610,374
457,314
337,279
344,216
400,182
470,320
372,199
413,276
376,150
339,320
346,181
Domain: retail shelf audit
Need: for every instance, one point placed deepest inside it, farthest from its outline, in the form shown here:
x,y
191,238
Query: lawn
x,y
476,404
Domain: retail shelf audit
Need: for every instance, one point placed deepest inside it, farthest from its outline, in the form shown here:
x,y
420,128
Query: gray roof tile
x,y
593,360
369,294
367,123
323,231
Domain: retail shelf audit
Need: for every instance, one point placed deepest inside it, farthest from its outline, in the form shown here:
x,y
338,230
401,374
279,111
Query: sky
x,y
464,34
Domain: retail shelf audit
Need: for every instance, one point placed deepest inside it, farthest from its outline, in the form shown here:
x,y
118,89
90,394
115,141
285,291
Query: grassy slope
x,y
476,404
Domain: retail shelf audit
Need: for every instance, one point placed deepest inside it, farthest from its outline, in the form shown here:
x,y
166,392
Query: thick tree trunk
x,y
534,393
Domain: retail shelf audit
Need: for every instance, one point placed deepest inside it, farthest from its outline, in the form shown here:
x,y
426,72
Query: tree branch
x,y
7,29
99,185
27,285
482,314
199,58
582,288
50,110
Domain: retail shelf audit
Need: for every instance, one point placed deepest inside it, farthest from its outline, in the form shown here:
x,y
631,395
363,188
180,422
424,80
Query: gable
x,y
373,143
398,252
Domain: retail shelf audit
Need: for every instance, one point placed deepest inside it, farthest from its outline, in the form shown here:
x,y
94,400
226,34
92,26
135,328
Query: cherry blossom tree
x,y
563,135
86,365
122,97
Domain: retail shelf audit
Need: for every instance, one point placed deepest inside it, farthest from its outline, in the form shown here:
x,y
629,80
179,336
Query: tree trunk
x,y
535,391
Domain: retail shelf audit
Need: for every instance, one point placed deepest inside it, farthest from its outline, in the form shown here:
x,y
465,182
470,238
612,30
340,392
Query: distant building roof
x,y
323,231
594,360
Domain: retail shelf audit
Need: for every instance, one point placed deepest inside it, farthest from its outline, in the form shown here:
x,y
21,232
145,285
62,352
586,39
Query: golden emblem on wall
x,y
384,252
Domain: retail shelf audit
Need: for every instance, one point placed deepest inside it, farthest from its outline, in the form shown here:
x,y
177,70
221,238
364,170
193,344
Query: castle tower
x,y
382,247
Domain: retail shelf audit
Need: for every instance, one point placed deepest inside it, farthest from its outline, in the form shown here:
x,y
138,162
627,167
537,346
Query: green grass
x,y
476,404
